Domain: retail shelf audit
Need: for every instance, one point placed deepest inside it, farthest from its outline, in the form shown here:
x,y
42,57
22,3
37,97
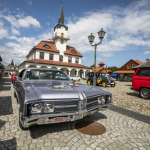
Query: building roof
x,y
97,69
52,48
57,63
143,65
69,49
101,63
124,71
106,71
61,16
136,61
9,68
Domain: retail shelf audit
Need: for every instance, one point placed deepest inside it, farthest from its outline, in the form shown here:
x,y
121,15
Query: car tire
x,y
145,93
79,80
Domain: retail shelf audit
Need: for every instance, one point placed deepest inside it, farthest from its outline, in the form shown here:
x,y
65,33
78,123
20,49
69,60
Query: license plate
x,y
112,83
57,120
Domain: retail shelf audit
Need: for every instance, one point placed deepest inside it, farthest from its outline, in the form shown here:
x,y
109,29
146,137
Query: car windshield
x,y
36,74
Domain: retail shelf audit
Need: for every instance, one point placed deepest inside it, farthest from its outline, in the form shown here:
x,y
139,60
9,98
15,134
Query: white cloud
x,y
107,54
18,9
29,2
125,27
48,23
146,52
15,31
24,22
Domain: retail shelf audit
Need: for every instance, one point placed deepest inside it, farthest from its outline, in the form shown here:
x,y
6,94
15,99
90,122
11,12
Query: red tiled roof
x,y
68,51
137,61
57,63
101,63
106,71
49,43
124,71
97,69
87,72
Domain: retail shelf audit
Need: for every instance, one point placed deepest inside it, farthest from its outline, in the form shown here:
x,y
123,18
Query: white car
x,y
74,78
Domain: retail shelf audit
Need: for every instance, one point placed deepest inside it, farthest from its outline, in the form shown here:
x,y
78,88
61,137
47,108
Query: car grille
x,y
92,102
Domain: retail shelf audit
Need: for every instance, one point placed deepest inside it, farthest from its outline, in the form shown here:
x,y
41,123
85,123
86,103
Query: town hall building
x,y
56,54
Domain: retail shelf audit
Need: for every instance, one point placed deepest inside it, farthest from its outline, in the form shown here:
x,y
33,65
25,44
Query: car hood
x,y
62,89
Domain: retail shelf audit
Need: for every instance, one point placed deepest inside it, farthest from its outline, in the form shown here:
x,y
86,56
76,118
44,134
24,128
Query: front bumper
x,y
41,119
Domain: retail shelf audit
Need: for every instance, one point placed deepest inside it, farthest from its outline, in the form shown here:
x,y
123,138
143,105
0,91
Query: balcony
x,y
61,36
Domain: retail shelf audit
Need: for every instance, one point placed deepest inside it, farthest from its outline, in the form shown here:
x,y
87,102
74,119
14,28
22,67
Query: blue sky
x,y
24,23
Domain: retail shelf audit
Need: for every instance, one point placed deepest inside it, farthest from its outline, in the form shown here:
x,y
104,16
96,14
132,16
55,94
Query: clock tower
x,y
60,34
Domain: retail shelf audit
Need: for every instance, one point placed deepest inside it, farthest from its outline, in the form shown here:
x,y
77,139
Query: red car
x,y
13,76
141,82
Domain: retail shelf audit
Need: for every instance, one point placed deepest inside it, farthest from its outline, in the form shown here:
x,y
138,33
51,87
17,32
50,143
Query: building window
x,y
62,35
77,60
46,46
128,66
41,55
51,56
62,41
133,66
70,59
60,57
73,51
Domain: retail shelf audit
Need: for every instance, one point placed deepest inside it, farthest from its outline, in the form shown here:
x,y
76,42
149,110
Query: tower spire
x,y
61,17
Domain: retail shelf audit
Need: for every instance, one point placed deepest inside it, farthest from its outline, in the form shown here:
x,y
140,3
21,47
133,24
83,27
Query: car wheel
x,y
89,82
145,93
104,84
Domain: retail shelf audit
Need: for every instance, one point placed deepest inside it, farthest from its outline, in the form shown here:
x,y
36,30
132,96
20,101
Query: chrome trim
x,y
25,120
65,106
92,102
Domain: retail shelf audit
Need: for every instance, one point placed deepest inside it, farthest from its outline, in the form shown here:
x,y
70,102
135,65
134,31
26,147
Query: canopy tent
x,y
114,75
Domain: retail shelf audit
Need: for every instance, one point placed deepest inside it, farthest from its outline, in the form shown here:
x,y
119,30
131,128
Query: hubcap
x,y
89,82
104,84
144,93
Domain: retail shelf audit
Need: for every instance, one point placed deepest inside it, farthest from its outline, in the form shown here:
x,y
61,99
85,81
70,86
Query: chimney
x,y
147,59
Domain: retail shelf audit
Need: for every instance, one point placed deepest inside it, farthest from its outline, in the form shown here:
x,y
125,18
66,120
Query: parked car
x,y
47,99
100,79
141,82
74,78
13,76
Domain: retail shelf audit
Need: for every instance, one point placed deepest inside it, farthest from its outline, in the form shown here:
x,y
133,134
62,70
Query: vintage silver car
x,y
48,96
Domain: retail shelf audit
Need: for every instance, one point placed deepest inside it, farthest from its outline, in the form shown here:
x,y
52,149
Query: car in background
x,y
141,82
44,97
74,78
13,76
100,79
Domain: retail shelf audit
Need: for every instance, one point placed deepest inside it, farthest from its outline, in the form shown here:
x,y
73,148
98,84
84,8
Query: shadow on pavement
x,y
6,105
135,94
2,123
9,144
41,130
5,84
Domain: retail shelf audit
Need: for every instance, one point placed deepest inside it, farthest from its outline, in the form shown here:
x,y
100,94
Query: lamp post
x,y
91,38
35,64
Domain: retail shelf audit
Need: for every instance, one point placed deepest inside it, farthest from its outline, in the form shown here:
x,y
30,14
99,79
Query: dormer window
x,y
72,51
77,60
46,46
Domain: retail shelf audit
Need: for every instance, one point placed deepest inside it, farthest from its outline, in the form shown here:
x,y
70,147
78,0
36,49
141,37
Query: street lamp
x,y
35,64
91,38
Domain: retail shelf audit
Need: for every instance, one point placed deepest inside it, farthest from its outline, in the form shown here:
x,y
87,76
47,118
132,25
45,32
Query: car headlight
x,y
101,100
48,107
82,104
108,100
37,107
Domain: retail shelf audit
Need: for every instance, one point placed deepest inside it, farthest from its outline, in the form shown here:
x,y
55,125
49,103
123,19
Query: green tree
x,y
92,65
113,68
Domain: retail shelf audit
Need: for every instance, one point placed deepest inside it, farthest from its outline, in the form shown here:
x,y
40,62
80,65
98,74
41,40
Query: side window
x,y
143,73
41,55
21,73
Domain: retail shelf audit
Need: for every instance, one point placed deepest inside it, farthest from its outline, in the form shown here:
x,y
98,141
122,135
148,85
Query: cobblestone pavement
x,y
126,98
122,132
